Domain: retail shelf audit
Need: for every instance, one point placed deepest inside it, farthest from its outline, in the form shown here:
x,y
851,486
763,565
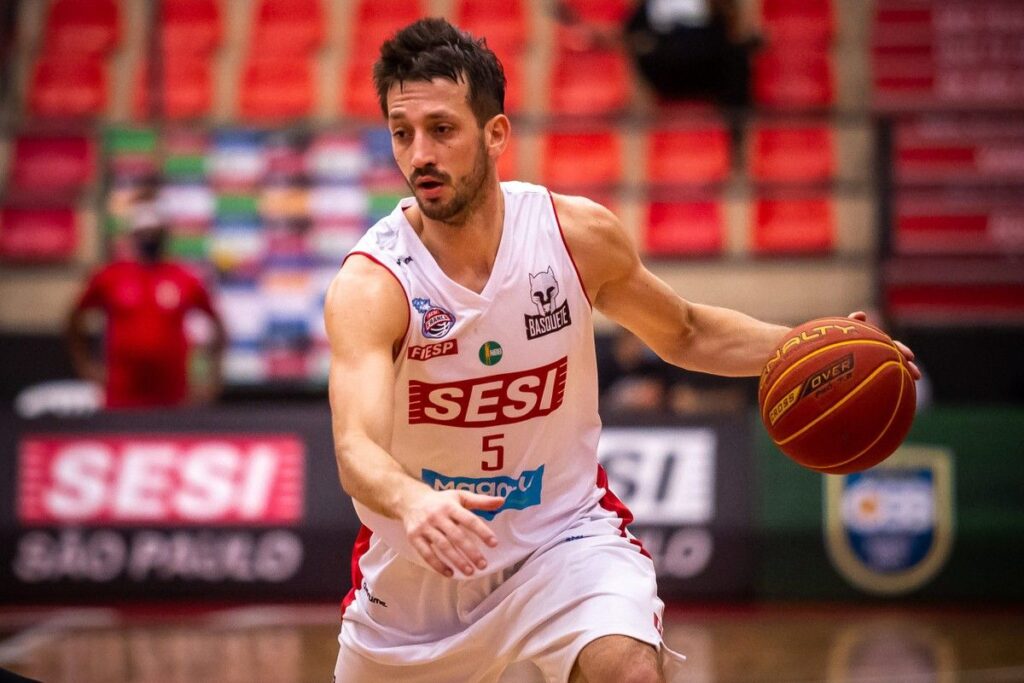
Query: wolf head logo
x,y
544,291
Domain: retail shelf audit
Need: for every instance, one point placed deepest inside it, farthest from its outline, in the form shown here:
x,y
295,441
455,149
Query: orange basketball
x,y
837,396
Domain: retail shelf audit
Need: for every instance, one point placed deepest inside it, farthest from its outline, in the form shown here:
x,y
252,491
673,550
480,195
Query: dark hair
x,y
433,48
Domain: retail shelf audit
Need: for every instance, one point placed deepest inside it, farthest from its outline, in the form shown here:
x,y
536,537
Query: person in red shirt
x,y
145,300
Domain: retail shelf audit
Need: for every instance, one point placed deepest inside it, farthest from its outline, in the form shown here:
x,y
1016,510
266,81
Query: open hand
x,y
442,528
908,355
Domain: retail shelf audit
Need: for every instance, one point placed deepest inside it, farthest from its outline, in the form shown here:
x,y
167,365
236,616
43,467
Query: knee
x,y
627,672
639,674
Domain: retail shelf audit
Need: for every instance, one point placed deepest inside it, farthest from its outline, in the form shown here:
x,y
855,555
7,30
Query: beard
x,y
467,190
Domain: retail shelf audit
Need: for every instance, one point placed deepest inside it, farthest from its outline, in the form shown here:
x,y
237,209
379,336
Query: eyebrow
x,y
398,115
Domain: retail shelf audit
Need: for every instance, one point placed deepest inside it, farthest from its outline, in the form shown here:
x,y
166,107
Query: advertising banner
x,y
245,503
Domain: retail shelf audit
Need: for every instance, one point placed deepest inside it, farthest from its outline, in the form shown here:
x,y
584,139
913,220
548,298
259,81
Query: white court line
x,y
22,643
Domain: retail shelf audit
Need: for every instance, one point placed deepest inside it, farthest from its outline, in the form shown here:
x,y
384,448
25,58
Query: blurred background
x,y
787,158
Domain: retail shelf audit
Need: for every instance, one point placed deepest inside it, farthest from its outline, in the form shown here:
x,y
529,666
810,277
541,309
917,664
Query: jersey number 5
x,y
497,449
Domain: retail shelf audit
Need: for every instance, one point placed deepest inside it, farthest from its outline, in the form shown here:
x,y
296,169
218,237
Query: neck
x,y
465,248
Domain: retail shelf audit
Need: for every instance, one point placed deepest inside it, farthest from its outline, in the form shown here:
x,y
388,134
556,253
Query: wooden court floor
x,y
724,643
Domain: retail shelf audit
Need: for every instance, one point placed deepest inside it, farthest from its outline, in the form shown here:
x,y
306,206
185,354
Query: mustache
x,y
430,172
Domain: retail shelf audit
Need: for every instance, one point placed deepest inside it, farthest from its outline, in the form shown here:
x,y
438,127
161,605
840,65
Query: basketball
x,y
837,396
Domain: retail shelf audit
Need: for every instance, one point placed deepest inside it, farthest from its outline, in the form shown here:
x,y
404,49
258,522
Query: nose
x,y
423,152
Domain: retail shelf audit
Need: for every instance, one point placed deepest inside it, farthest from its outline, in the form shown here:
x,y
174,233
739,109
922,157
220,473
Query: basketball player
x,y
464,399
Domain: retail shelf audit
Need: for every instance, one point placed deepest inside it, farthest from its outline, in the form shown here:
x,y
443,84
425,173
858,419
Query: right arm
x,y
366,315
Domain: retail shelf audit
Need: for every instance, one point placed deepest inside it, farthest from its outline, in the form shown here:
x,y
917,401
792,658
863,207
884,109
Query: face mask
x,y
150,247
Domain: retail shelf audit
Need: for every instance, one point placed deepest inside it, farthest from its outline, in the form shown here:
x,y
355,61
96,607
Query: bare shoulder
x,y
596,239
365,297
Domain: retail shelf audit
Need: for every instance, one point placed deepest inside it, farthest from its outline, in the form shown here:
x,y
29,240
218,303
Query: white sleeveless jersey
x,y
495,392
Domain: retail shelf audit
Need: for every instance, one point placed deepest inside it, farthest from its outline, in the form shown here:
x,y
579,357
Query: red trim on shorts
x,y
408,313
567,251
359,549
609,501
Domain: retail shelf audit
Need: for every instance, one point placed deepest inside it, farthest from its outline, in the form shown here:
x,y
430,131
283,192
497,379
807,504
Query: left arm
x,y
215,381
694,336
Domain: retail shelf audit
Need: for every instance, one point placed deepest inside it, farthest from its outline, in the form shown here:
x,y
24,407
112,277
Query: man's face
x,y
439,147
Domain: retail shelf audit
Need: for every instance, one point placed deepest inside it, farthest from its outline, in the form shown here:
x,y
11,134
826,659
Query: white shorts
x,y
526,623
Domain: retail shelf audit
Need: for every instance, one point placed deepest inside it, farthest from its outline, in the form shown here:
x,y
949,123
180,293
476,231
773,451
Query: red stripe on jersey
x,y
359,549
609,501
561,233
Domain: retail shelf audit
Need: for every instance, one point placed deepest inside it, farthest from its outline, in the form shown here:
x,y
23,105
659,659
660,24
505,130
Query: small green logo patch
x,y
490,353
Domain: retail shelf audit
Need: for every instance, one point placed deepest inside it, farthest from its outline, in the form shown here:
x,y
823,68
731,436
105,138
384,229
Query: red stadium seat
x,y
52,165
792,154
793,226
684,228
187,88
377,20
190,26
277,88
358,97
77,27
589,82
35,235
577,160
501,22
793,80
68,88
688,156
801,23
514,86
289,27
608,13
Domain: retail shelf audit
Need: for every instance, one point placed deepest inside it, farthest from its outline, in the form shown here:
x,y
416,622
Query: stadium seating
x,y
186,87
793,226
376,20
275,89
581,160
501,22
68,87
51,166
604,13
33,234
288,27
84,28
358,97
793,79
792,154
688,156
190,26
804,23
587,83
694,228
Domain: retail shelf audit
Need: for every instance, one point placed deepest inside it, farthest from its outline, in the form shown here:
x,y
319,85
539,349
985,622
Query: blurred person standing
x,y
145,300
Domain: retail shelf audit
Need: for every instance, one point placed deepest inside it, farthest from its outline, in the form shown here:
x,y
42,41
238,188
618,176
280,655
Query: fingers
x,y
427,553
466,546
859,315
908,355
478,501
447,552
904,349
447,535
475,525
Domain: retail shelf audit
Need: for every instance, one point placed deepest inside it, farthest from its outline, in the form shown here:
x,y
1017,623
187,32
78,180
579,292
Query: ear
x,y
497,132
551,272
